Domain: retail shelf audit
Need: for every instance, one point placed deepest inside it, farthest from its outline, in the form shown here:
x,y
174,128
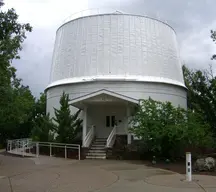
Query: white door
x,y
105,117
106,123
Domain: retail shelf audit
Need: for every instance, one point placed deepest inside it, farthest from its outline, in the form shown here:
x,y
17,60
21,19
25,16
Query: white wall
x,y
158,91
116,45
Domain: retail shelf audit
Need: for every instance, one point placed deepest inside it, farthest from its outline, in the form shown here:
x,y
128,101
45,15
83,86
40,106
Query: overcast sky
x,y
192,20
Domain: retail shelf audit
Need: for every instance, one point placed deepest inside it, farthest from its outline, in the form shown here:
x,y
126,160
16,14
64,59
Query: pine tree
x,y
43,127
68,125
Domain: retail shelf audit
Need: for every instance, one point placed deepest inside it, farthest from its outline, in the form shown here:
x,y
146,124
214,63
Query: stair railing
x,y
19,144
111,139
89,137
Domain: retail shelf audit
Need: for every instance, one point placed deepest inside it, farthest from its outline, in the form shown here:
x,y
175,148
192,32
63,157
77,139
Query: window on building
x,y
110,121
107,121
113,121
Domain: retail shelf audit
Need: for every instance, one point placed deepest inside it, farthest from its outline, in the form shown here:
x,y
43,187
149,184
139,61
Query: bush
x,y
167,131
1,146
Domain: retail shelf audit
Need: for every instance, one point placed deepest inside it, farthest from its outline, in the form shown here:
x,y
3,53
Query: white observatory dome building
x,y
107,62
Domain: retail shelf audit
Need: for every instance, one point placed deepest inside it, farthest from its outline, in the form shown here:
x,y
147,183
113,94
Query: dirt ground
x,y
178,167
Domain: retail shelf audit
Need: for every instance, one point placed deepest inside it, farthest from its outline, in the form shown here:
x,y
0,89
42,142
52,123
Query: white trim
x,y
108,11
133,78
128,121
84,125
103,91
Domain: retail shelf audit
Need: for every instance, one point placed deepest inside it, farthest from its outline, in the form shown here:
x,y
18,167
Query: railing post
x,y
23,148
10,145
37,149
17,145
7,145
65,152
50,149
79,152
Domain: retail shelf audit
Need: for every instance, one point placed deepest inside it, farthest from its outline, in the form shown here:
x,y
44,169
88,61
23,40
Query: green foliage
x,y
68,126
166,130
17,114
202,94
43,129
213,36
17,102
43,126
40,105
12,35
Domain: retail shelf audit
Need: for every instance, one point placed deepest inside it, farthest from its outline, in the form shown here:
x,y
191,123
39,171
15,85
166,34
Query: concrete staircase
x,y
97,149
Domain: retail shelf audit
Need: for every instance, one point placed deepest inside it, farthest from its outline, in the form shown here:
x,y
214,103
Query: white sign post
x,y
188,167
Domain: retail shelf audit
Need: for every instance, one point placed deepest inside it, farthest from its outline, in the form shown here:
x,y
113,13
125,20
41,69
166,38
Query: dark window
x,y
107,121
113,121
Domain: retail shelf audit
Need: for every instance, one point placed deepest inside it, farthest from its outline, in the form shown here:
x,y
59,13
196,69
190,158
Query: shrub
x,y
168,131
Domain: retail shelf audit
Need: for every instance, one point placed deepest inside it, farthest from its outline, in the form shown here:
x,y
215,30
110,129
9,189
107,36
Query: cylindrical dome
x,y
118,47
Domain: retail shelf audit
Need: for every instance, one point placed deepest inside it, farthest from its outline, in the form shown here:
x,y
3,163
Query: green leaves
x,y
12,34
213,36
165,129
16,100
67,126
16,113
43,129
43,126
202,94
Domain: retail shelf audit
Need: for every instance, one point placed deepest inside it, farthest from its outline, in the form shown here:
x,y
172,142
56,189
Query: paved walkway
x,y
47,174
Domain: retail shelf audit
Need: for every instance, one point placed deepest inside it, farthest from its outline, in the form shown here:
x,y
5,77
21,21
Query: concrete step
x,y
97,151
97,148
96,154
101,139
95,157
100,142
98,145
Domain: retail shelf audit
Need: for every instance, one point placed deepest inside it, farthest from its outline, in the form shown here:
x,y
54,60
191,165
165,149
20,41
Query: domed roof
x,y
116,47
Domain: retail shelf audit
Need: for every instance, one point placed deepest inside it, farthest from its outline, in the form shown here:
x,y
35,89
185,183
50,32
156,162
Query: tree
x,y
16,99
40,105
202,94
166,130
68,125
17,119
12,35
43,129
42,125
213,36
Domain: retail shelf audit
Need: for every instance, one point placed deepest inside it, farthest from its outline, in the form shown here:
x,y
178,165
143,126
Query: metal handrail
x,y
19,146
89,137
111,139
67,144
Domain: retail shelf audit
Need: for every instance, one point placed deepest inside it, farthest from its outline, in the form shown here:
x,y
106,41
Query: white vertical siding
x,y
116,44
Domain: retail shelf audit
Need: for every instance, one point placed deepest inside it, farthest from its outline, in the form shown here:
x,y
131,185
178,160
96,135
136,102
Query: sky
x,y
191,19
